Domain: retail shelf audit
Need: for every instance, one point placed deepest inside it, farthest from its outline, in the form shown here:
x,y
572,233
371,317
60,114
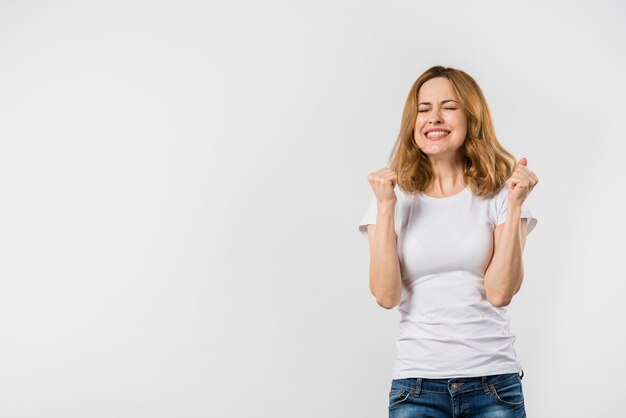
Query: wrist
x,y
514,210
386,206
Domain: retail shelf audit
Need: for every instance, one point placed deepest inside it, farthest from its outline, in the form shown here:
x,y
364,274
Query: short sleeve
x,y
501,210
369,217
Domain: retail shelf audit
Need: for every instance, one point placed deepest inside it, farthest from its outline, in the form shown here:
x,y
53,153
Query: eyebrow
x,y
442,102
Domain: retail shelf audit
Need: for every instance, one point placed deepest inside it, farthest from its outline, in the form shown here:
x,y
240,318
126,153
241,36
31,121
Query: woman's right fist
x,y
383,182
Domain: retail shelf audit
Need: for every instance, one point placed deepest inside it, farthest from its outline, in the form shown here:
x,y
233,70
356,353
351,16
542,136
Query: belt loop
x,y
418,386
485,387
522,375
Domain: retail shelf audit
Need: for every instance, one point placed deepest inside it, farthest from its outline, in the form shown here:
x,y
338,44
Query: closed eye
x,y
447,108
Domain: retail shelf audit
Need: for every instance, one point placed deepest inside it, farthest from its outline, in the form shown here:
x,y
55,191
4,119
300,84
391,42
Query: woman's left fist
x,y
521,183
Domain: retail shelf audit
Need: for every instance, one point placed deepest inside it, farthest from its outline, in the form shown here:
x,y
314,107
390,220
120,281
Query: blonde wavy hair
x,y
486,164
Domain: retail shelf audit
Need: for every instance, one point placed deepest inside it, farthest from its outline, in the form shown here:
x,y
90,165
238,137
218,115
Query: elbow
x,y
387,303
500,301
387,296
501,297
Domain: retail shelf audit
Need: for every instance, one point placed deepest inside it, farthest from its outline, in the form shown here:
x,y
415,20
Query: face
x,y
439,109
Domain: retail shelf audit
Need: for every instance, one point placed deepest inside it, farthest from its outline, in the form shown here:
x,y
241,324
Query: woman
x,y
446,230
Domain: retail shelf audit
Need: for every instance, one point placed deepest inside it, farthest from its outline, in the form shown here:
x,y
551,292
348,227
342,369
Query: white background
x,y
181,183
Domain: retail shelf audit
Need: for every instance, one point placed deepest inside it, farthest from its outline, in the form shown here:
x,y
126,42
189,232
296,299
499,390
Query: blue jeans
x,y
498,395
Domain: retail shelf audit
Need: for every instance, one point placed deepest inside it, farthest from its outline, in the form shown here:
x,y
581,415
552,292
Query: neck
x,y
447,175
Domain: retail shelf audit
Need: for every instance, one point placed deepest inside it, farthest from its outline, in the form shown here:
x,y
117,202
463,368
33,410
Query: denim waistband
x,y
452,385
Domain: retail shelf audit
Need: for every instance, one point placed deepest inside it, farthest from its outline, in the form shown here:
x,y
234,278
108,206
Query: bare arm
x,y
503,277
385,276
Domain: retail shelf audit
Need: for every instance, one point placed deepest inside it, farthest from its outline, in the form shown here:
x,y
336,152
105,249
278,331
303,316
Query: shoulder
x,y
400,194
404,199
404,207
501,193
496,204
499,197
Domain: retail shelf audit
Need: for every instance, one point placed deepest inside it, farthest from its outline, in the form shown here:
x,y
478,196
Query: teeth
x,y
437,133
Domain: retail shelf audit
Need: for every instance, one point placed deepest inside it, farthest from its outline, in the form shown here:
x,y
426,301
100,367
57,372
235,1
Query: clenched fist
x,y
521,183
383,182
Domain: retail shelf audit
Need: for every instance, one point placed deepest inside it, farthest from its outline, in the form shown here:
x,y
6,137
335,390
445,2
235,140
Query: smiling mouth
x,y
437,135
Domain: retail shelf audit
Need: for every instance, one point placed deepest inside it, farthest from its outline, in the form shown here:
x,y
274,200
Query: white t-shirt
x,y
448,328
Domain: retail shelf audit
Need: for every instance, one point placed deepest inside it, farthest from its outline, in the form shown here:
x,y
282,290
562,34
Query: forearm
x,y
504,276
385,276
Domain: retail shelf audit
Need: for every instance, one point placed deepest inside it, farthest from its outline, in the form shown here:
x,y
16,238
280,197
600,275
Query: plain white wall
x,y
181,183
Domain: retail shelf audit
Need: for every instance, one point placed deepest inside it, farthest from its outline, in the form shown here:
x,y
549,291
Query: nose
x,y
434,117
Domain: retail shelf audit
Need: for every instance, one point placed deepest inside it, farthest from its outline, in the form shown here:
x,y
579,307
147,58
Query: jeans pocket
x,y
397,396
509,392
